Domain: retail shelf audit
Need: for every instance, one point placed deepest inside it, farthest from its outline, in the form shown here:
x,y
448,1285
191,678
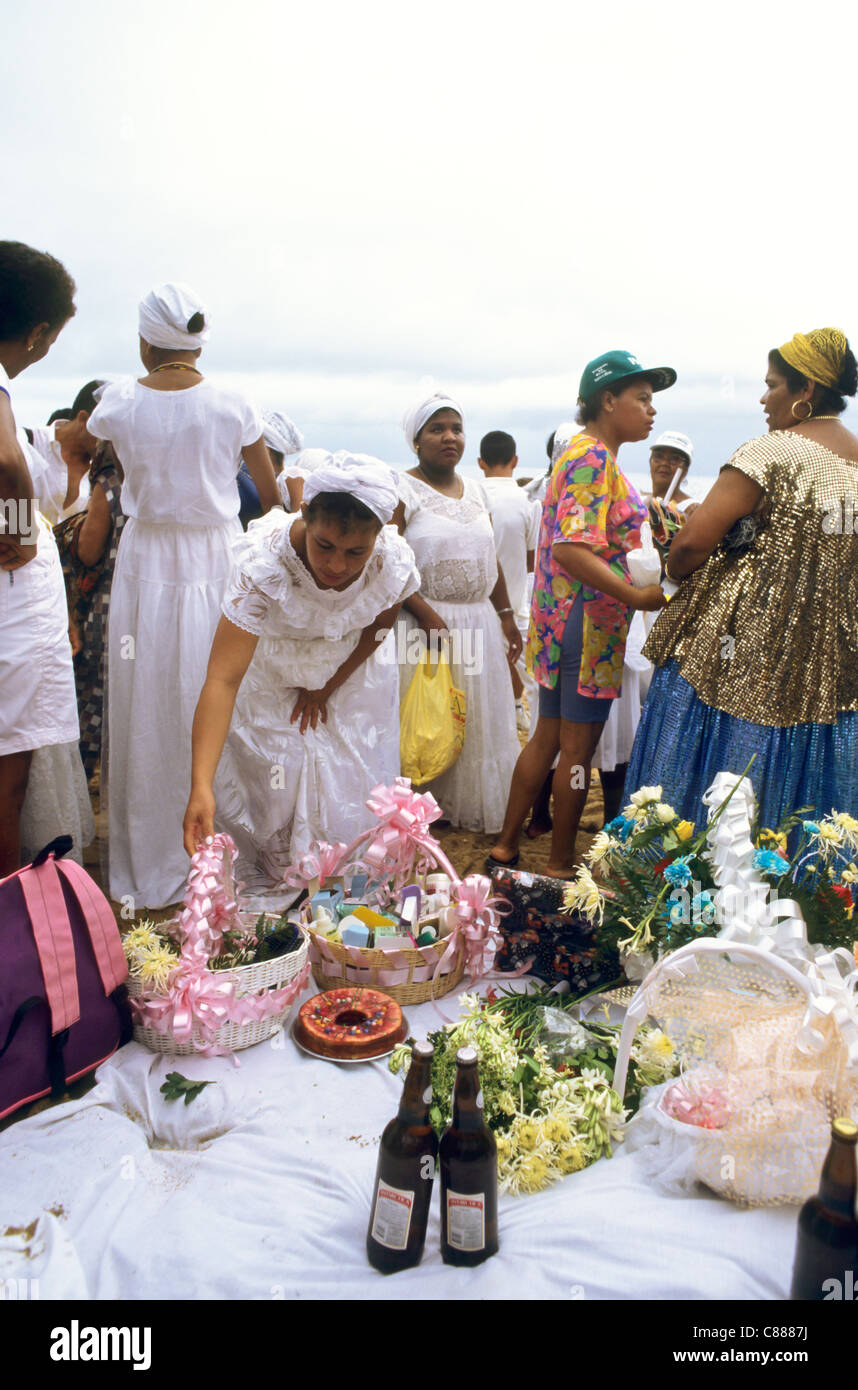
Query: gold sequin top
x,y
770,633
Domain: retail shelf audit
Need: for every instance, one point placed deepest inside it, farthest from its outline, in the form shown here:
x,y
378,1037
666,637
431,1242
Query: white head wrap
x,y
369,480
164,315
562,436
280,433
305,462
413,420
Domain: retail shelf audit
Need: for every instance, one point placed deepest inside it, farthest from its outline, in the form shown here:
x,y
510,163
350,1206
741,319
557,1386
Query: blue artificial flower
x,y
810,827
703,908
677,915
770,862
625,829
678,873
614,825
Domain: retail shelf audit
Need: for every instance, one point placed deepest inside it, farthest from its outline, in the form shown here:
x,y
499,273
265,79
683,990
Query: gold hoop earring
x,y
801,418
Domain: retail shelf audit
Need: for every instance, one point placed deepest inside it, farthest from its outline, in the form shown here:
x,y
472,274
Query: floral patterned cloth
x,y
588,499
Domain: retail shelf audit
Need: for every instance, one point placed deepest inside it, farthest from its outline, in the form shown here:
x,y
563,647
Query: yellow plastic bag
x,y
432,722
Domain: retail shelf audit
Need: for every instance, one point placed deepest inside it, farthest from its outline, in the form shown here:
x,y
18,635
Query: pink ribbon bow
x,y
323,862
405,817
195,998
476,930
210,906
199,1000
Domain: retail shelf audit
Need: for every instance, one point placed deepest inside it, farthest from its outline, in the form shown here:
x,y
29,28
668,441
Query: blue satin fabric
x,y
681,744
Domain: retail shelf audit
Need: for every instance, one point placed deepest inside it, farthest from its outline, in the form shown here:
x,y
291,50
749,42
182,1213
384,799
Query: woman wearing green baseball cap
x,y
583,597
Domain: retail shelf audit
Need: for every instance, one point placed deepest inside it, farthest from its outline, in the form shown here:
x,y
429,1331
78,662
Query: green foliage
x,y
177,1086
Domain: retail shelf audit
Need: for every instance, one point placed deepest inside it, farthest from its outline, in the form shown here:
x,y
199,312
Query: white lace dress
x,y
454,546
278,791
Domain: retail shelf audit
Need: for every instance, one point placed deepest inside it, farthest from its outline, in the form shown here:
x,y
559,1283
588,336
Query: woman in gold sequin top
x,y
758,650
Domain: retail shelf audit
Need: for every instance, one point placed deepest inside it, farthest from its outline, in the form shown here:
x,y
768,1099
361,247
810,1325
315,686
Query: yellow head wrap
x,y
818,355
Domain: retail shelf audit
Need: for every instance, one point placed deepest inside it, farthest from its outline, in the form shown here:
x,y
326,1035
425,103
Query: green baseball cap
x,y
615,366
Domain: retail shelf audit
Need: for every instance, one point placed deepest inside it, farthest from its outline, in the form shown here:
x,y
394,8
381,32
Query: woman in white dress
x,y
178,439
445,519
37,696
301,702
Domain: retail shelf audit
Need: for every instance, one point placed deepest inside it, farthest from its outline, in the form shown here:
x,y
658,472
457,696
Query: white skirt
x,y
278,792
38,704
164,608
57,802
473,792
618,735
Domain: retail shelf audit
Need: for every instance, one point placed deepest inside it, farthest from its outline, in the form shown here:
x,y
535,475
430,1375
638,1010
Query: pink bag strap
x,y
52,933
101,924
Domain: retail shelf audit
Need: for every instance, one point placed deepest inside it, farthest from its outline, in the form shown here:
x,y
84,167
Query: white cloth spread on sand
x,y
415,418
368,479
38,703
262,1189
178,450
279,791
164,314
454,546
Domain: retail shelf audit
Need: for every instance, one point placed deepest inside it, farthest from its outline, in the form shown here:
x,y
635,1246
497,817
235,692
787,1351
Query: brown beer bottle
x,y
826,1253
405,1173
469,1173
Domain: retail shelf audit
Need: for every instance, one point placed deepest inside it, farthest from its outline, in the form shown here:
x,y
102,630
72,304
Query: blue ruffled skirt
x,y
682,743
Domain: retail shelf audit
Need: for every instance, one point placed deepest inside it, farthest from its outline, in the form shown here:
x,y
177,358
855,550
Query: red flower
x,y
843,891
662,864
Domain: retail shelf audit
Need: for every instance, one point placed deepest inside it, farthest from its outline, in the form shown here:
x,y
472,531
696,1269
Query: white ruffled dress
x,y
278,791
454,546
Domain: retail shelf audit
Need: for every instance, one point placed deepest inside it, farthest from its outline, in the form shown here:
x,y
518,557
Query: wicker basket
x,y
232,1037
405,975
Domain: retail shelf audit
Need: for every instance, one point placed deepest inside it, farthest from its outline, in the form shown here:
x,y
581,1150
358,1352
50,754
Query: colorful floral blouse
x,y
588,499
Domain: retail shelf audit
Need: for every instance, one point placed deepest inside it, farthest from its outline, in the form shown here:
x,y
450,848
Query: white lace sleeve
x,y
259,581
408,495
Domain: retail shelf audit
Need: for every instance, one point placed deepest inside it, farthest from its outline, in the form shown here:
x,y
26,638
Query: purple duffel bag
x,y
63,1003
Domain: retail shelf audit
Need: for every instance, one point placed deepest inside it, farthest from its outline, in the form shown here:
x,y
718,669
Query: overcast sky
x,y
372,198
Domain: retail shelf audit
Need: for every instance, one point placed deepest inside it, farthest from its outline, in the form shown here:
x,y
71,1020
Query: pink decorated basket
x,y
217,1011
394,852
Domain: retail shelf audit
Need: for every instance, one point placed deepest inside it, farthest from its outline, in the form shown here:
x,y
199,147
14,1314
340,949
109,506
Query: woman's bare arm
x,y
733,495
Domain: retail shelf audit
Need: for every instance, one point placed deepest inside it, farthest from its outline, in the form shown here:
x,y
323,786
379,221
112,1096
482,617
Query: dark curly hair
x,y
34,288
827,400
341,507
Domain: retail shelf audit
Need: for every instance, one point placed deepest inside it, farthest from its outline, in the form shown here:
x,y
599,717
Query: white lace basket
x,y
233,1037
738,1019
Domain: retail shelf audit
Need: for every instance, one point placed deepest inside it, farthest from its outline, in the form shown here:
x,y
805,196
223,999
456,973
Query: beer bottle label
x,y
392,1222
466,1220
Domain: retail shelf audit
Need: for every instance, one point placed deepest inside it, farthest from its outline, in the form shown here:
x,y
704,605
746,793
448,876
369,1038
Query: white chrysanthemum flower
x,y
584,895
829,838
849,826
665,813
602,846
154,968
141,938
